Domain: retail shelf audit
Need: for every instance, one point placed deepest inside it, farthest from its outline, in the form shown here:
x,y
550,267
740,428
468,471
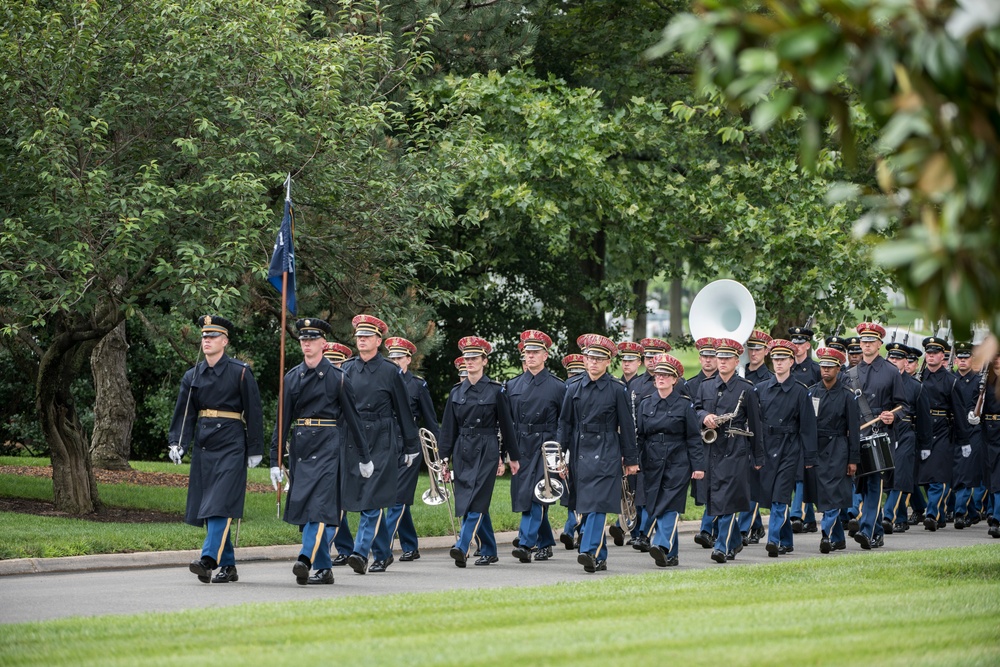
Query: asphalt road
x,y
136,583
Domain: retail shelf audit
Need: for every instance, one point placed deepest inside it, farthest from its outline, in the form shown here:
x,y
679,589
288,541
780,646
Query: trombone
x,y
437,494
550,489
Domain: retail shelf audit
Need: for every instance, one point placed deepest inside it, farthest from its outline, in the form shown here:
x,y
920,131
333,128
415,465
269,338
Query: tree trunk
x,y
114,406
676,309
640,289
73,484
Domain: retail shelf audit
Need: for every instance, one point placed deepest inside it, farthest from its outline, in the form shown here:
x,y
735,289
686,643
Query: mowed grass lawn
x,y
938,607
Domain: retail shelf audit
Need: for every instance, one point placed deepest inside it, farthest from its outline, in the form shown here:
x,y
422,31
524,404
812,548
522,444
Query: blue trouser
x,y
709,523
895,506
373,537
573,523
315,545
400,523
477,525
750,520
801,509
665,536
779,528
340,535
643,522
993,507
648,524
870,517
535,528
217,545
729,533
963,498
832,527
546,538
937,495
592,540
917,501
979,499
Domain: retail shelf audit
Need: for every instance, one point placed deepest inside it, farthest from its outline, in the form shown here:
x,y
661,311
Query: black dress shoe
x,y
852,526
673,561
301,571
863,540
382,565
641,543
718,556
824,545
796,525
887,526
900,527
658,555
601,565
942,523
588,562
459,556
477,552
772,550
618,535
810,527
567,541
994,531
544,553
516,541
931,524
203,568
357,563
341,559
745,539
407,556
226,574
756,534
324,576
523,554
782,550
878,542
838,546
960,522
916,518
730,555
487,560
705,539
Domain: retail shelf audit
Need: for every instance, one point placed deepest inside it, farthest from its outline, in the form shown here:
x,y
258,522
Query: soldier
x,y
316,397
570,537
573,363
381,399
913,360
988,421
337,353
476,410
218,418
756,369
630,354
535,399
854,355
838,430
709,366
729,459
805,369
463,371
838,343
910,427
398,518
339,532
968,470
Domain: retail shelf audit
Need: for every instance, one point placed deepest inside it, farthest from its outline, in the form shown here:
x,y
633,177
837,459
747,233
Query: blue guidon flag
x,y
283,258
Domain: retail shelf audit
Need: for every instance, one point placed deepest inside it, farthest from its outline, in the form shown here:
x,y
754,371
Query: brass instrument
x,y
628,515
550,488
438,493
710,435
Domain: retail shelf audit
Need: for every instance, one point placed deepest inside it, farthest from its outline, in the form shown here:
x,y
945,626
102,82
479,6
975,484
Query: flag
x,y
283,258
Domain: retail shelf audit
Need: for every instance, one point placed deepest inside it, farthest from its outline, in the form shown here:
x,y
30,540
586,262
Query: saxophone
x,y
710,435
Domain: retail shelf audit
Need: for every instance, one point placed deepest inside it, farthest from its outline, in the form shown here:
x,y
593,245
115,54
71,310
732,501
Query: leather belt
x,y
374,416
537,428
477,431
219,414
829,433
315,422
658,437
940,413
786,430
595,428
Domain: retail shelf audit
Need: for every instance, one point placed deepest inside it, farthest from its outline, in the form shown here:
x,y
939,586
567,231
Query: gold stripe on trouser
x,y
895,508
474,533
377,524
881,484
222,542
600,544
861,509
672,542
736,520
339,524
395,528
652,529
319,537
756,508
942,501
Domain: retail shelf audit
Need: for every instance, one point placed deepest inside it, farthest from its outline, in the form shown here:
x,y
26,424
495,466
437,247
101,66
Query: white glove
x,y
276,477
367,469
925,454
175,454
408,459
966,451
973,419
254,461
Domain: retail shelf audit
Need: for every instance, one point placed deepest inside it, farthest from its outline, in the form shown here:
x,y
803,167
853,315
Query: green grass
x,y
910,609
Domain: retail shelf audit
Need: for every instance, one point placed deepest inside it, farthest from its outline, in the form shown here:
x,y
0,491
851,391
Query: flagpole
x,y
281,354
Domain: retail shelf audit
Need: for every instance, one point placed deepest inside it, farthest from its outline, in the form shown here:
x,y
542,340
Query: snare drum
x,y
876,454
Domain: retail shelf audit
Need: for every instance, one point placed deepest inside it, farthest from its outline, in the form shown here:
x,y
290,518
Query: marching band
x,y
842,433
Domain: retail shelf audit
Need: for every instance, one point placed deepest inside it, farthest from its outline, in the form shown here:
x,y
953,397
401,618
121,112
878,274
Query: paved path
x,y
41,589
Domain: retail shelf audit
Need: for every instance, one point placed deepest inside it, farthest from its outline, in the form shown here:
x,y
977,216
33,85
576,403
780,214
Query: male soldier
x,y
218,418
968,471
756,369
854,355
398,517
573,363
838,343
338,533
337,353
709,367
535,400
949,431
912,360
576,370
316,398
911,427
630,354
729,459
463,371
380,396
805,369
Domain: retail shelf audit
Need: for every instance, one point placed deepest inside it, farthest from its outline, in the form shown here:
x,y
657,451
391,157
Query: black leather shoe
x,y
523,554
641,543
960,521
824,545
487,560
838,546
887,526
949,516
745,539
301,571
730,555
618,535
341,559
900,527
588,562
878,542
324,576
863,540
567,541
407,556
516,542
477,552
357,563
942,523
601,565
796,525
382,565
544,553
756,534
226,574
772,549
673,561
459,556
994,531
916,519
658,556
705,539
203,568
718,556
782,550
931,524
853,527
810,527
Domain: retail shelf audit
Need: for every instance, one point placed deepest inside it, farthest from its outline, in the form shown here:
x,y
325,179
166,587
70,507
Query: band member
x,y
317,397
805,369
838,446
535,400
913,360
381,400
854,355
463,370
988,422
218,419
576,370
948,431
573,363
670,454
729,459
476,409
709,367
337,353
838,343
881,390
756,369
788,429
398,517
968,470
598,432
338,533
630,354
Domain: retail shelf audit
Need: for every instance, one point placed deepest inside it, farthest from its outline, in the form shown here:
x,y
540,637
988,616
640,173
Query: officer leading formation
x,y
843,440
